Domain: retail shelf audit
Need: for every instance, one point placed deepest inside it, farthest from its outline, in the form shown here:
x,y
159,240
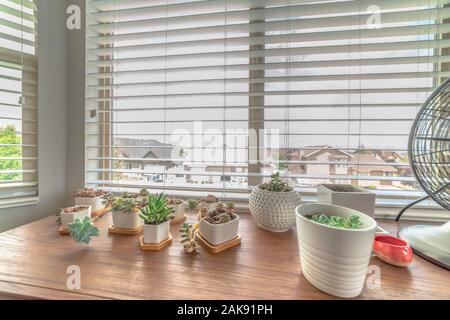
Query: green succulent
x,y
83,231
276,184
125,204
354,222
157,210
192,204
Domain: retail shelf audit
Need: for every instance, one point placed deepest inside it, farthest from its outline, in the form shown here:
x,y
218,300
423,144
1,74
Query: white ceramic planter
x,y
95,203
360,200
126,220
154,234
179,210
217,234
68,218
334,260
274,211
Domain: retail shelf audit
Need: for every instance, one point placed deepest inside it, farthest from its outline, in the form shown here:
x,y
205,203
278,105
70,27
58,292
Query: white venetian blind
x,y
18,99
197,97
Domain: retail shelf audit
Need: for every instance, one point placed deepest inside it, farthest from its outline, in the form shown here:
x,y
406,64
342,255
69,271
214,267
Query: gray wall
x,y
61,115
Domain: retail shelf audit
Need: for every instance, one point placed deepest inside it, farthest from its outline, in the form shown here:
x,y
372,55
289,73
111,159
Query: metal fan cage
x,y
429,146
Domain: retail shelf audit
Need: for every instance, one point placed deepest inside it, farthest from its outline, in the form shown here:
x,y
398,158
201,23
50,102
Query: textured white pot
x,y
274,211
179,210
126,220
334,260
95,203
360,200
68,218
157,233
217,234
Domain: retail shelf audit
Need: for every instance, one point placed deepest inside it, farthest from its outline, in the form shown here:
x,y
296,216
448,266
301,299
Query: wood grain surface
x,y
34,259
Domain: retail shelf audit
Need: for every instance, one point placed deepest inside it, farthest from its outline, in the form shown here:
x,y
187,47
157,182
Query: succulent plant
x,y
89,193
157,210
190,245
210,199
144,193
83,230
192,204
354,222
276,184
221,214
174,201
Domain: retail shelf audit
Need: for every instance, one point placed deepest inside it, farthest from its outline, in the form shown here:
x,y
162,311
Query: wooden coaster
x,y
156,246
221,247
178,220
124,231
100,213
64,231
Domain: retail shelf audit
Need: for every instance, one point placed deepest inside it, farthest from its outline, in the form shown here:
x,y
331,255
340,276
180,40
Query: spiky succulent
x,y
275,184
157,210
83,230
192,204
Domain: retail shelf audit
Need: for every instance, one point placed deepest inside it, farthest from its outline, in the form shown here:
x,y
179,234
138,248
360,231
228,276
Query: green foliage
x,y
8,136
125,204
185,232
83,231
276,184
190,245
354,222
157,210
192,204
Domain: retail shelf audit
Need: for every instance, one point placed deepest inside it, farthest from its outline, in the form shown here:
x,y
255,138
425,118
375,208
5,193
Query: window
x,y
18,100
214,96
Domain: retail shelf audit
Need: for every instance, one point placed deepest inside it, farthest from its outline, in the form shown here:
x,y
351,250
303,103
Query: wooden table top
x,y
34,259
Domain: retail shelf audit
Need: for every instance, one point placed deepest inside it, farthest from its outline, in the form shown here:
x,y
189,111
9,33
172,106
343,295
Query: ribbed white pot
x,y
68,218
217,234
179,210
274,211
334,260
95,203
156,233
126,220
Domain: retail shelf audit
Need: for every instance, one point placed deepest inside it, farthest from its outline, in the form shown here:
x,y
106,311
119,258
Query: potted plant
x,y
273,204
349,196
90,197
67,216
220,225
125,213
192,204
210,202
335,245
178,208
82,230
156,216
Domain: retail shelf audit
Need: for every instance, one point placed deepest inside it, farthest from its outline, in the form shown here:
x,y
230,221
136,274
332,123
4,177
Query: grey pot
x,y
274,211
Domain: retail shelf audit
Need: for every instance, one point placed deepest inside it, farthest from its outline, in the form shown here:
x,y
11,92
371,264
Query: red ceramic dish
x,y
393,250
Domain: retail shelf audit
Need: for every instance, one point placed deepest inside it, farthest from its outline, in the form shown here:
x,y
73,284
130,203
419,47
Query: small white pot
x,y
334,260
217,234
68,218
359,200
95,203
179,210
157,233
126,220
274,211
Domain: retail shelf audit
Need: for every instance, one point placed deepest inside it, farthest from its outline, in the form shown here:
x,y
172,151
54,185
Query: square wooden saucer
x,y
154,246
178,220
219,248
125,231
64,231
